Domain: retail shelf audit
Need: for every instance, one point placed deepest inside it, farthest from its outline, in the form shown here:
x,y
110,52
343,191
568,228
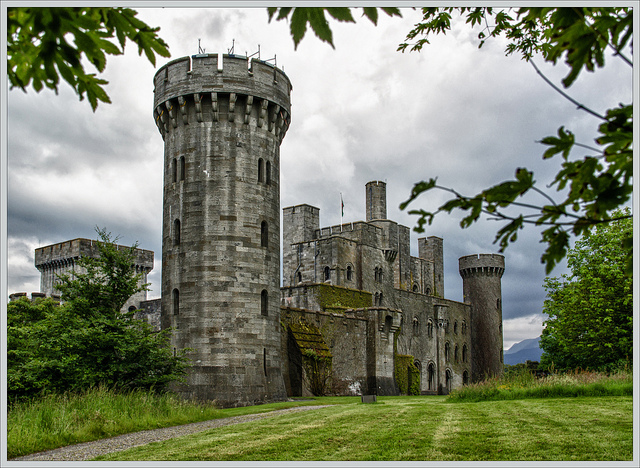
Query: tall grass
x,y
525,384
57,420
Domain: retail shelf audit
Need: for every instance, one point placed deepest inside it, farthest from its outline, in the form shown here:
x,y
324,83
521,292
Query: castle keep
x,y
354,312
222,120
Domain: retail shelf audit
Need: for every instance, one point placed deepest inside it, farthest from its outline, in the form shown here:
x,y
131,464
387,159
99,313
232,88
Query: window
x,y
455,327
465,377
182,168
132,308
349,273
268,173
264,303
464,327
448,380
174,170
388,321
264,360
264,234
428,292
380,299
416,325
430,328
431,374
415,288
176,301
299,277
455,354
176,232
260,170
327,273
464,353
447,346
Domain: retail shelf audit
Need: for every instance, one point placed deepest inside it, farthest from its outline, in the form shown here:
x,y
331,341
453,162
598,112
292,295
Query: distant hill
x,y
526,350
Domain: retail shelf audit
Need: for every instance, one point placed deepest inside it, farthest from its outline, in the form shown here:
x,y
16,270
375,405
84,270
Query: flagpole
x,y
341,209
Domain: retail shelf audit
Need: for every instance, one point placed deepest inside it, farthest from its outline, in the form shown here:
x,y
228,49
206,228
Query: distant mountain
x,y
526,350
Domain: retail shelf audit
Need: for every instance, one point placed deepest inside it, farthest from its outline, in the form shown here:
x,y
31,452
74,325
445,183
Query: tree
x,y
590,311
86,341
38,51
595,184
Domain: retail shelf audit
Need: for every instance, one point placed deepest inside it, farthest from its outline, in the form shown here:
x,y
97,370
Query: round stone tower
x,y
481,285
222,122
376,200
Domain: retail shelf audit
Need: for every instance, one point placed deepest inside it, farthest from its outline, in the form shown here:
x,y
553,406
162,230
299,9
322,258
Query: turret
x,y
376,204
481,284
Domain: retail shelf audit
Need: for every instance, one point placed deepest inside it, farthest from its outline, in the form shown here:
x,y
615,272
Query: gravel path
x,y
89,450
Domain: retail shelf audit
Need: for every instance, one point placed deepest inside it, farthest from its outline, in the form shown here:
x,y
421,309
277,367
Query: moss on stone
x,y
338,299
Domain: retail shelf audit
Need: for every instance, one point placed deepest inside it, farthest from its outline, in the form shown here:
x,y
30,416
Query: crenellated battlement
x,y
197,89
481,264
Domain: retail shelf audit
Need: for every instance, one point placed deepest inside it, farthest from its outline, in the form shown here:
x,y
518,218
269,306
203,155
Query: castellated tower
x,y
222,122
481,285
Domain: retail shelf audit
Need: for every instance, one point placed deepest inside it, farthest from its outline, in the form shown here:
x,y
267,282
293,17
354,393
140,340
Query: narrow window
x,y
446,351
455,354
268,173
349,273
264,302
448,380
464,353
260,170
464,327
375,274
455,327
299,277
388,321
380,299
264,234
264,360
415,288
327,273
430,329
176,232
431,371
465,377
174,170
182,168
176,302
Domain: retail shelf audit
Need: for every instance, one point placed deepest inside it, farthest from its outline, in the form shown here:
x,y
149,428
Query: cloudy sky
x,y
360,112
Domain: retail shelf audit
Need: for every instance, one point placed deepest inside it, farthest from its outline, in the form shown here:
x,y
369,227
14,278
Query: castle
x,y
356,314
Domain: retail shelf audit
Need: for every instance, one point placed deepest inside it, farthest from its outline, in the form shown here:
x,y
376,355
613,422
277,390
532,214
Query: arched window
x,y
431,374
447,346
349,273
375,274
176,301
455,327
448,378
182,168
464,353
428,292
327,273
268,173
415,288
465,377
264,234
264,303
380,299
464,327
176,232
260,170
430,328
376,299
416,325
455,354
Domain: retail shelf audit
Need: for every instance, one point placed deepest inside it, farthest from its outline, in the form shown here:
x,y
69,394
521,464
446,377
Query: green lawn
x,y
419,428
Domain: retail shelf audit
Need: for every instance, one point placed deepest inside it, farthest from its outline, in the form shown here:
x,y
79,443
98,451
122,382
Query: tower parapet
x,y
194,89
481,285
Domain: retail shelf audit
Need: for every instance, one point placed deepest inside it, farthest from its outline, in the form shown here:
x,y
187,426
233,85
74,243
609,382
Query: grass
x,y
515,417
523,384
58,420
417,428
